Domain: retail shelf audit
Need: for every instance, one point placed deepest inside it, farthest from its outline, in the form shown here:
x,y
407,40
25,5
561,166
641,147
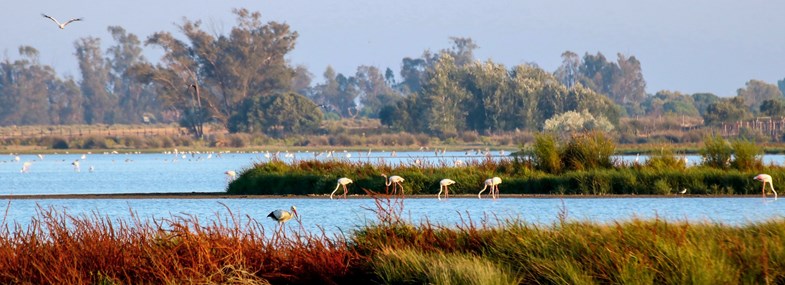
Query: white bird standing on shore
x,y
61,26
342,182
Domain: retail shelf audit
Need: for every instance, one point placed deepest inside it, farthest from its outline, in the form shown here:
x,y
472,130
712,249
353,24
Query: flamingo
x,y
443,184
26,167
766,178
230,175
393,180
282,216
343,181
76,165
61,26
494,183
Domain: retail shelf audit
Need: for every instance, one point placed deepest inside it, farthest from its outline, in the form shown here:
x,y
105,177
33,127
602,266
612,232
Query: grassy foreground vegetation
x,y
57,248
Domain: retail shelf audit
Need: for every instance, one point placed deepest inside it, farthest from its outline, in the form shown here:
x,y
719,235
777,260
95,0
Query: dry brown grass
x,y
57,248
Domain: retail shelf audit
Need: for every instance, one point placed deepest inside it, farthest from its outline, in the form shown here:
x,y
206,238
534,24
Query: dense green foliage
x,y
207,78
317,177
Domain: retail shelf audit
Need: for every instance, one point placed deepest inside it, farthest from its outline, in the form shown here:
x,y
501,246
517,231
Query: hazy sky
x,y
683,45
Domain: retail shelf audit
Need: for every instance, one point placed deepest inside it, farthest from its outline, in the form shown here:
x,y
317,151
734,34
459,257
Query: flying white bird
x,y
62,26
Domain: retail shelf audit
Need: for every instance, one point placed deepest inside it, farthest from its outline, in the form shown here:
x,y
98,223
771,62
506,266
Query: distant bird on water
x,y
443,184
765,178
343,181
61,26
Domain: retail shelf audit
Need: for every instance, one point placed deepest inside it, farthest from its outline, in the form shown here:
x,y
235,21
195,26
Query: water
x,y
170,173
344,216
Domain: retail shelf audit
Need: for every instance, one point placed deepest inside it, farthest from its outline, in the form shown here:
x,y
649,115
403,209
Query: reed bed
x,y
58,248
661,175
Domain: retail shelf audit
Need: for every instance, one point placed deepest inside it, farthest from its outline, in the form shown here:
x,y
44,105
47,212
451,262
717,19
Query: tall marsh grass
x,y
57,248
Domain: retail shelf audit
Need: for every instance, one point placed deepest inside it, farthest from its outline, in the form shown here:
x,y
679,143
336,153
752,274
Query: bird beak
x,y
296,214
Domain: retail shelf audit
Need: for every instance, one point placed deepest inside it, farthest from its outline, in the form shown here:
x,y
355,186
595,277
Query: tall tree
x,y
756,91
100,102
23,90
567,73
135,99
374,91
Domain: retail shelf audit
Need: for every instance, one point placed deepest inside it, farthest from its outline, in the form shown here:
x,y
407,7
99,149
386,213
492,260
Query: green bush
x,y
716,152
746,156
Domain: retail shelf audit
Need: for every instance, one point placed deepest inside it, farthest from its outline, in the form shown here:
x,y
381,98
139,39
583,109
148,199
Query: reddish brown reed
x,y
63,249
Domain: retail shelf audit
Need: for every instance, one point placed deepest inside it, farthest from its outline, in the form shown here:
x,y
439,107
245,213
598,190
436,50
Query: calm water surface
x,y
169,173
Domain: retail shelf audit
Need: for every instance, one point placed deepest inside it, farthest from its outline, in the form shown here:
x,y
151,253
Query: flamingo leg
x,y
345,190
446,191
772,189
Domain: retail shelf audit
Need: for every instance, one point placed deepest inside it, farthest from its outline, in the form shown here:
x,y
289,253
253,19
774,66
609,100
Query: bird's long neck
x,y
386,180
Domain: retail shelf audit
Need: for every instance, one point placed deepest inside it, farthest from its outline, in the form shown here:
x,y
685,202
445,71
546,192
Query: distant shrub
x,y
545,154
716,152
746,156
59,143
665,159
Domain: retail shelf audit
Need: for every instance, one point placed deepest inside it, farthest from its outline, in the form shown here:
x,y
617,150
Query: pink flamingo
x,y
766,178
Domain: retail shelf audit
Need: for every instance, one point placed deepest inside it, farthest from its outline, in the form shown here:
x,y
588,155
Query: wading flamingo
x,y
766,178
494,183
443,185
342,182
393,180
230,175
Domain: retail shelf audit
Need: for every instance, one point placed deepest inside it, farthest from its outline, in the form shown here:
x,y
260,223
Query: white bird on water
x,y
61,26
343,181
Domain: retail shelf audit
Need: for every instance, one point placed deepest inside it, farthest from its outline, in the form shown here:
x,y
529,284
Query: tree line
x,y
242,81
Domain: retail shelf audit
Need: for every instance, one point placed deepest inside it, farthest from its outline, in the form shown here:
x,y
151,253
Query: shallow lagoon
x,y
170,173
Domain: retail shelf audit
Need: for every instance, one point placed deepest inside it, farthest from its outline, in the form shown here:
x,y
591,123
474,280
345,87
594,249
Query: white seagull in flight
x,y
62,26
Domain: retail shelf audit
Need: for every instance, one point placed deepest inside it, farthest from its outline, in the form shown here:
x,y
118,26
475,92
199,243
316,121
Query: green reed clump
x,y
545,154
588,151
746,156
716,152
416,267
665,159
320,177
574,252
